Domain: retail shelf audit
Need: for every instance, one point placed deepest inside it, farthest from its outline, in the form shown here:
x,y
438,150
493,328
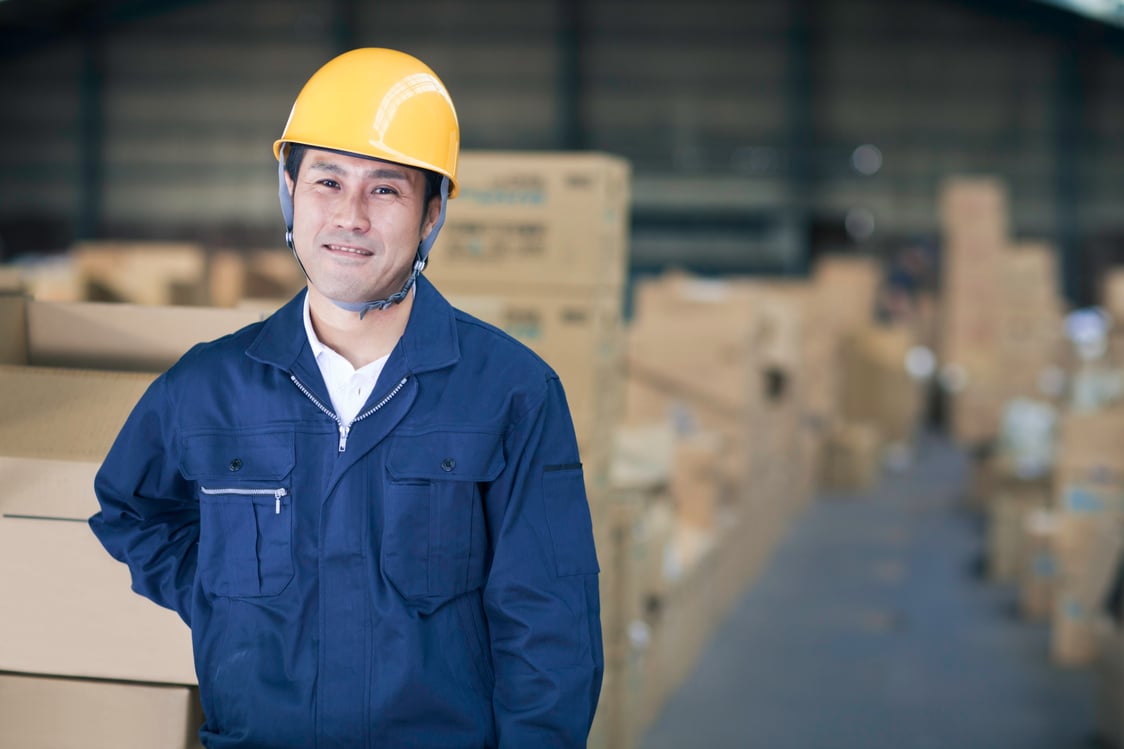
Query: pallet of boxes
x,y
867,395
715,459
1001,338
83,660
537,244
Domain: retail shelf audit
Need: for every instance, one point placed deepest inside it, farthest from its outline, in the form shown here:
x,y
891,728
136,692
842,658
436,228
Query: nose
x,y
351,212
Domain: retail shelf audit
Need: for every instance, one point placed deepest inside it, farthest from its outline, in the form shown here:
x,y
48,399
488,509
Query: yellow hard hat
x,y
380,103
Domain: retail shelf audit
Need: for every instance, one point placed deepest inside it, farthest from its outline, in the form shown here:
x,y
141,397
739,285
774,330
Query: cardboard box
x,y
847,287
95,335
852,458
1091,442
148,273
580,335
1006,533
696,484
877,388
1073,638
1039,576
1112,293
555,219
265,274
71,610
715,325
974,206
54,713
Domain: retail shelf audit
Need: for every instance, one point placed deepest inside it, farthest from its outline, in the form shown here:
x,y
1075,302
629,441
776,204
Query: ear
x,y
288,182
432,212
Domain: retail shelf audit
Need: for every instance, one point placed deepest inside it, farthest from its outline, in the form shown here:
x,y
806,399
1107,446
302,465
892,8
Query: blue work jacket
x,y
422,577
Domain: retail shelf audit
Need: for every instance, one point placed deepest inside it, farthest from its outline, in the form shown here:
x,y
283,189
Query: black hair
x,y
296,156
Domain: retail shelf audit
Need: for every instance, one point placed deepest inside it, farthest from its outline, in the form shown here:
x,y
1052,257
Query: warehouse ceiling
x,y
27,24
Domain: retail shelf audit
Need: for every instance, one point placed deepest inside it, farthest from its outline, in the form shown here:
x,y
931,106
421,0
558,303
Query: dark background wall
x,y
741,117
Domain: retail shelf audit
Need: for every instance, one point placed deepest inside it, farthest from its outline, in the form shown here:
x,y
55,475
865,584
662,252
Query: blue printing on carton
x,y
1079,499
1044,565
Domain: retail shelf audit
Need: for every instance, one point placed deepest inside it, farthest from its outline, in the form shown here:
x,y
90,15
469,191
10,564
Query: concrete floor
x,y
871,629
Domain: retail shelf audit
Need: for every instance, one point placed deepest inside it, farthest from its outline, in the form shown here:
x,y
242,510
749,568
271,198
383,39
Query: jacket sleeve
x,y
149,516
541,595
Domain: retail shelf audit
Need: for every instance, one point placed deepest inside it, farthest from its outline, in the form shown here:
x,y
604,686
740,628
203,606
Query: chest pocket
x,y
245,511
434,540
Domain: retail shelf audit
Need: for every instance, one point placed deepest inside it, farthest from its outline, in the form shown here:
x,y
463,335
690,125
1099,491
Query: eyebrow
x,y
376,173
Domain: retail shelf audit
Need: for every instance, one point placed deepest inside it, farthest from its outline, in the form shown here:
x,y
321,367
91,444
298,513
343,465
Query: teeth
x,y
352,250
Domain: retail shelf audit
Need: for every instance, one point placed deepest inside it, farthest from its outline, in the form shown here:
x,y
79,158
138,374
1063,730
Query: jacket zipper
x,y
345,429
277,494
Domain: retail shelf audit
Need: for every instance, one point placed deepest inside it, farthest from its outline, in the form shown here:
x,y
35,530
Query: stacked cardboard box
x,y
150,273
974,218
719,364
69,609
845,288
1009,508
1089,501
249,277
1031,343
877,386
855,365
537,244
1039,568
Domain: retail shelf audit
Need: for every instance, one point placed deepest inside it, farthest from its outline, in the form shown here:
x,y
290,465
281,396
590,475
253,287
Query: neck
x,y
359,341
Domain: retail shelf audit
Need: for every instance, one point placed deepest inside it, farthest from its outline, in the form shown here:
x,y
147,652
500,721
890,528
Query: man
x,y
369,508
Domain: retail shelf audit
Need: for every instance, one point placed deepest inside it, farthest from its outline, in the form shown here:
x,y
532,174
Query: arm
x,y
541,596
149,516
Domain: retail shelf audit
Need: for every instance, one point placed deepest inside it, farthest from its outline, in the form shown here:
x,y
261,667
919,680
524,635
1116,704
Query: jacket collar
x,y
430,341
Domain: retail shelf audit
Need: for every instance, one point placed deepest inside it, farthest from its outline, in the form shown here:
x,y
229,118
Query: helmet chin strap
x,y
420,259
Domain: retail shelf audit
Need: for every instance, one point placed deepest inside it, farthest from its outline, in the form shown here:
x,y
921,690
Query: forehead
x,y
364,166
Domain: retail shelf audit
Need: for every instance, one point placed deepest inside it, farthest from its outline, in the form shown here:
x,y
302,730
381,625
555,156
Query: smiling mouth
x,y
358,251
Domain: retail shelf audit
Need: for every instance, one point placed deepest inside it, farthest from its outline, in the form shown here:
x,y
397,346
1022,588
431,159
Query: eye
x,y
326,182
384,190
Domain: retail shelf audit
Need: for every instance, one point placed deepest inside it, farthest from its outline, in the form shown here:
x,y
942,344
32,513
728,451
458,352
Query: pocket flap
x,y
241,457
447,456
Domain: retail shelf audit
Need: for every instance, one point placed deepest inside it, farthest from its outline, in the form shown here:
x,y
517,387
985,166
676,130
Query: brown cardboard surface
x,y
48,713
62,413
684,326
69,609
13,329
847,286
852,457
696,484
558,218
150,273
123,336
1112,292
579,333
1006,534
876,387
1038,578
1092,440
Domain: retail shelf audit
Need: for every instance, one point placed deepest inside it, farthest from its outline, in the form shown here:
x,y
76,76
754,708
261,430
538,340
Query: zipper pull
x,y
344,430
277,495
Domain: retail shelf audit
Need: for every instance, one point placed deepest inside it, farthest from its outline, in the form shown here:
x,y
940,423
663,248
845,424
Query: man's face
x,y
357,223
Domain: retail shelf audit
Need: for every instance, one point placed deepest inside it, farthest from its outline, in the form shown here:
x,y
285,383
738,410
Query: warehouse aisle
x,y
870,629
